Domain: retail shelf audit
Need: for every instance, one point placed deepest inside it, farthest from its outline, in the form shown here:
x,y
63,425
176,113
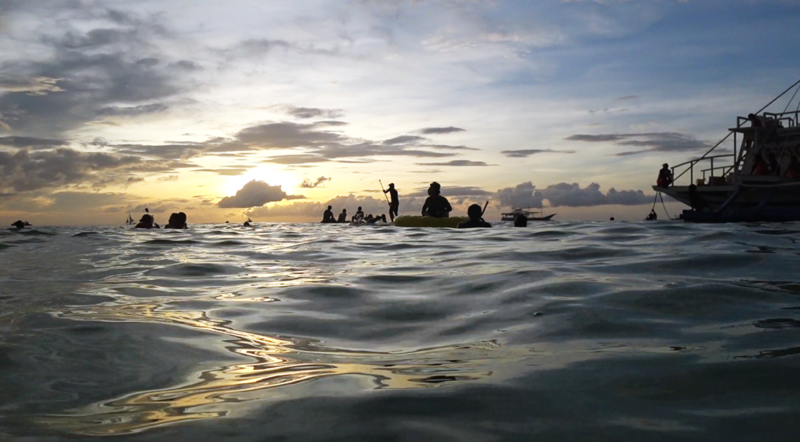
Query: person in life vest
x,y
664,176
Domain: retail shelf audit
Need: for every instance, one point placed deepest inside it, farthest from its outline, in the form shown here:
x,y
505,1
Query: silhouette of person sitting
x,y
146,222
436,205
475,214
342,216
327,216
394,204
521,221
359,216
664,176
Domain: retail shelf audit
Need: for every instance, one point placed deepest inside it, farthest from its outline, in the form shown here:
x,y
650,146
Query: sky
x,y
273,110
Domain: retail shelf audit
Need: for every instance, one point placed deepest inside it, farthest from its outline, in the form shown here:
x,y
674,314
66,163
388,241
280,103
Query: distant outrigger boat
x,y
743,186
531,215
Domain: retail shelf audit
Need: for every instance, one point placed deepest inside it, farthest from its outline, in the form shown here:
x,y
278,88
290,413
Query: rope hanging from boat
x,y
792,99
664,205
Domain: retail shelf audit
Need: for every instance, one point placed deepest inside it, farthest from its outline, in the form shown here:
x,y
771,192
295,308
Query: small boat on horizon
x,y
531,215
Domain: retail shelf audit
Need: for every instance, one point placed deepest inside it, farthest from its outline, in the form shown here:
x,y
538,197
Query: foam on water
x,y
560,331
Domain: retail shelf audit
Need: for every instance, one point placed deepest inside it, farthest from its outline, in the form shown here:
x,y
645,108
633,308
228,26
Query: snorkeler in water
x,y
475,214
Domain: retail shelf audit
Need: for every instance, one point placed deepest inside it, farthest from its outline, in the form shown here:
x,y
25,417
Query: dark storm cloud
x,y
440,130
457,163
31,142
524,153
648,142
309,184
255,194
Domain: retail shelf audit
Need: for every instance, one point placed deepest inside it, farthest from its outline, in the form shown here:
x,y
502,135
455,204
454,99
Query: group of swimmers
x,y
176,221
359,217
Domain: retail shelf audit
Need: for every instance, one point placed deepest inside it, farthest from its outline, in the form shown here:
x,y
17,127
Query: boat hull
x,y
777,202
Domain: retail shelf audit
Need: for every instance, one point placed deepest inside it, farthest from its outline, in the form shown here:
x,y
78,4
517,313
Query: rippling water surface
x,y
561,331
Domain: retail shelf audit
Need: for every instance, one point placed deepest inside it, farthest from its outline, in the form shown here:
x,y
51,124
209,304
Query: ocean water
x,y
560,331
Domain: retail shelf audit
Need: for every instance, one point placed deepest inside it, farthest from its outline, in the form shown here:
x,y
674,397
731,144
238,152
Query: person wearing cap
x,y
394,203
475,214
664,176
436,205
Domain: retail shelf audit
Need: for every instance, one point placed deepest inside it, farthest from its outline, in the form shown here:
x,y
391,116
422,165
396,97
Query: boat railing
x,y
712,174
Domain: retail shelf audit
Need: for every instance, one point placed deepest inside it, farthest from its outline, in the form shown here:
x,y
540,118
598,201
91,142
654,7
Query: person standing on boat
x,y
664,176
394,204
436,205
327,216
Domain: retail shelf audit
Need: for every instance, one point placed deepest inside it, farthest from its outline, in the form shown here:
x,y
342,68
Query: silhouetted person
x,y
176,221
664,176
327,216
19,224
394,204
755,120
521,221
369,219
611,219
146,222
342,216
247,224
652,216
475,214
696,202
436,205
359,216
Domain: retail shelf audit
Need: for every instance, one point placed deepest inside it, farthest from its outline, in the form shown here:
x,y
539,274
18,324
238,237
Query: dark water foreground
x,y
558,332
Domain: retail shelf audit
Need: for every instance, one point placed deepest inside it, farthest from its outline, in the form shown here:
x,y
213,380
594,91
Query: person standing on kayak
x,y
394,205
436,205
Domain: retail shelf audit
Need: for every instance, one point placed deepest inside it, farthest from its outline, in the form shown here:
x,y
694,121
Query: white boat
x,y
758,181
531,215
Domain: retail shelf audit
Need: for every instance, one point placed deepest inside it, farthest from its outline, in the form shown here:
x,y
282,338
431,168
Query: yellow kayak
x,y
428,221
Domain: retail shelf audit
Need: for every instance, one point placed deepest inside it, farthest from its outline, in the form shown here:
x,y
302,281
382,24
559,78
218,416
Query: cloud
x,y
522,195
524,153
254,194
312,112
24,171
168,178
650,142
571,195
440,130
30,85
457,163
31,142
133,111
132,180
449,191
308,184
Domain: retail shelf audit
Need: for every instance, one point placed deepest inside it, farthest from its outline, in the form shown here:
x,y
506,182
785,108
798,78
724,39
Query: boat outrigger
x,y
759,181
531,215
